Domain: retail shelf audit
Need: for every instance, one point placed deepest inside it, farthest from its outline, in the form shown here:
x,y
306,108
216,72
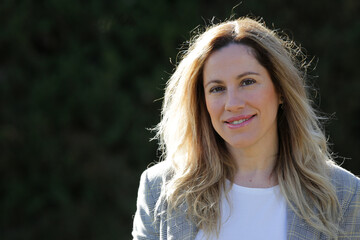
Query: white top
x,y
252,214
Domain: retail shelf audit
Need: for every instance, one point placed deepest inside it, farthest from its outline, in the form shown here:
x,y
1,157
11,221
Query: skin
x,y
237,87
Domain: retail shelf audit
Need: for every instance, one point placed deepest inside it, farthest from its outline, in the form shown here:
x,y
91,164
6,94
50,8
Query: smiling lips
x,y
239,121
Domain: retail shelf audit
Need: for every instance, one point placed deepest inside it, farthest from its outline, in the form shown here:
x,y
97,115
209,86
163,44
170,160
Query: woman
x,y
244,153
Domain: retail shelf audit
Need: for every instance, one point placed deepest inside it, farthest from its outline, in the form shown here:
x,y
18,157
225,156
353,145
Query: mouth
x,y
237,121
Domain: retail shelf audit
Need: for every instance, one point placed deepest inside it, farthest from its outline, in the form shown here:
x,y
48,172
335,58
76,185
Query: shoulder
x,y
347,187
344,180
153,178
146,223
157,172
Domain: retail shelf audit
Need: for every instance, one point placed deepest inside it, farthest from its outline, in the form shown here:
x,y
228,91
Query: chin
x,y
239,145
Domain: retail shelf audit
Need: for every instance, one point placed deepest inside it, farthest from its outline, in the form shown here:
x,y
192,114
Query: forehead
x,y
231,59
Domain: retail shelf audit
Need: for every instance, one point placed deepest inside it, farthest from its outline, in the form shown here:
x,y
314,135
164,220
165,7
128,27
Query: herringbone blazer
x,y
178,227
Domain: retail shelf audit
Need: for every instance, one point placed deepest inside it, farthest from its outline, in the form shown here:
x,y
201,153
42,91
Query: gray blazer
x,y
178,227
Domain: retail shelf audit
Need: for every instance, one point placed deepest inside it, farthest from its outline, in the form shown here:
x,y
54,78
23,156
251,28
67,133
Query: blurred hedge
x,y
78,88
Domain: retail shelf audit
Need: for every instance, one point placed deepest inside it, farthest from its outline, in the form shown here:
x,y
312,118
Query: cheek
x,y
270,102
273,98
213,107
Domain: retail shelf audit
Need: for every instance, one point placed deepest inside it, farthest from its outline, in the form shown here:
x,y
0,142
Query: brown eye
x,y
247,82
217,89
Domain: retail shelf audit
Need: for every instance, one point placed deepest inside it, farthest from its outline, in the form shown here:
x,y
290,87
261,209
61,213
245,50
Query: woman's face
x,y
240,97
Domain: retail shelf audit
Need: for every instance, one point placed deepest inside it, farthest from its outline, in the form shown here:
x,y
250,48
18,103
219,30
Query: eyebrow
x,y
238,77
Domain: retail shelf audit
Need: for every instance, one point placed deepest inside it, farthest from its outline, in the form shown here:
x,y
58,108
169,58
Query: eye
x,y
247,82
216,89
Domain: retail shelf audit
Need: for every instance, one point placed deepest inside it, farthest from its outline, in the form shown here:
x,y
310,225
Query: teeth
x,y
240,121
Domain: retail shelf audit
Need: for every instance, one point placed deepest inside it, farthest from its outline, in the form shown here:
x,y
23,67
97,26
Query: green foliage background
x,y
79,82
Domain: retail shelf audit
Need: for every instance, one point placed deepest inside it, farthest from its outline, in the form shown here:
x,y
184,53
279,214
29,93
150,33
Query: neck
x,y
255,165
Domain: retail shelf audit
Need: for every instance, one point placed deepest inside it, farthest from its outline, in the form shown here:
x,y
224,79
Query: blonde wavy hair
x,y
201,163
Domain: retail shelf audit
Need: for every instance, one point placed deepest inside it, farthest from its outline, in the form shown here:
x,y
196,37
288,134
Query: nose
x,y
234,101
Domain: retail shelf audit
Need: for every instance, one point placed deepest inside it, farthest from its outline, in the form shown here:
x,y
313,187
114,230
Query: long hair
x,y
201,163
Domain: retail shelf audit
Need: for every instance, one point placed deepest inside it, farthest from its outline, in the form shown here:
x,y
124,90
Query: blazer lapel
x,y
297,228
179,227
